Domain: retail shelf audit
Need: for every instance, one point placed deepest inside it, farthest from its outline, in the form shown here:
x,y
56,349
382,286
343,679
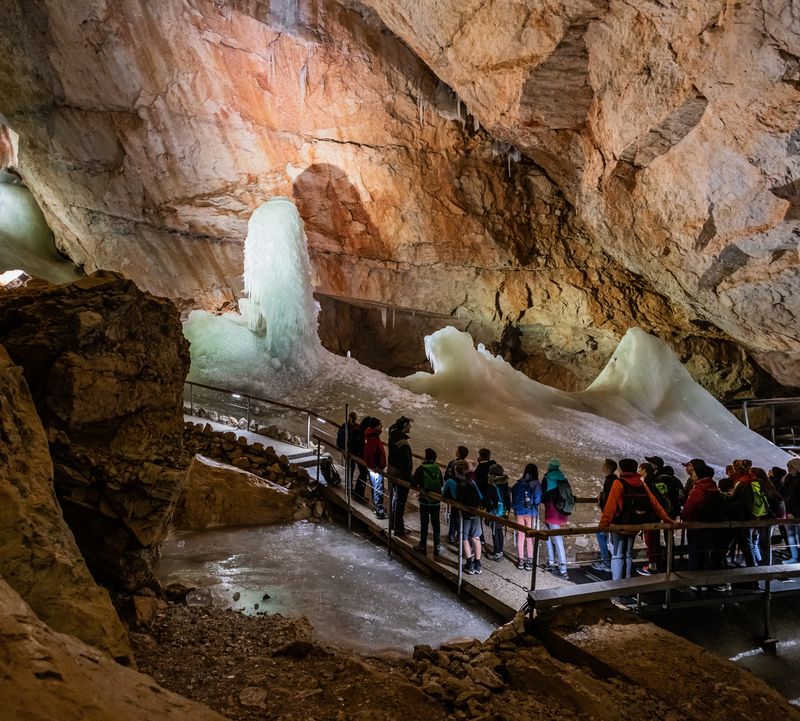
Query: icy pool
x,y
353,593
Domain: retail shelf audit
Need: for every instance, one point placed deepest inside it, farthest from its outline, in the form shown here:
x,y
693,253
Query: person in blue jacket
x,y
526,495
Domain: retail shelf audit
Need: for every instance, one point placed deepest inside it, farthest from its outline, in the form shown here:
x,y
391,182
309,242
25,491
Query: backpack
x,y
500,510
329,472
563,500
636,509
431,481
760,507
660,490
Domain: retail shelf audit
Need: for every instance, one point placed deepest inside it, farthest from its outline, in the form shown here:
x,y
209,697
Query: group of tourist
x,y
633,494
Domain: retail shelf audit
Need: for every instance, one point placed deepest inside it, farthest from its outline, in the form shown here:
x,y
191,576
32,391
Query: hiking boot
x,y
522,565
528,565
550,567
468,566
476,568
419,548
722,588
438,550
601,566
646,570
497,556
380,514
562,574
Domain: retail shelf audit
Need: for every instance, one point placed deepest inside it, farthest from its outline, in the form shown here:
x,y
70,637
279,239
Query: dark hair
x,y
374,422
777,473
462,451
611,464
628,465
460,468
430,454
484,453
649,470
532,471
353,416
365,422
759,473
702,470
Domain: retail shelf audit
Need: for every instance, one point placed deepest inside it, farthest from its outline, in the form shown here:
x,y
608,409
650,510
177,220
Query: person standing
x,y
554,518
526,495
497,502
470,496
610,473
400,467
630,503
652,539
375,457
791,495
450,491
706,504
428,480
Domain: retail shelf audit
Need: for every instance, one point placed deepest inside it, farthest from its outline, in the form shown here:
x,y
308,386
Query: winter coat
x,y
450,489
531,489
791,494
705,502
469,495
607,483
400,458
613,505
374,453
482,476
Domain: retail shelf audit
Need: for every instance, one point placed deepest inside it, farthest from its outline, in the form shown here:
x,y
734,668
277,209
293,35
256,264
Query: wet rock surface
x,y
106,363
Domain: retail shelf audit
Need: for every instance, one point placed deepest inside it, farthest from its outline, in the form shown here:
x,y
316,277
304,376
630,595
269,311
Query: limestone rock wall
x,y
46,675
106,363
626,177
38,554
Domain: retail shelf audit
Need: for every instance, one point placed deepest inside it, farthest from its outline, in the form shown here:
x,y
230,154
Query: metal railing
x,y
783,436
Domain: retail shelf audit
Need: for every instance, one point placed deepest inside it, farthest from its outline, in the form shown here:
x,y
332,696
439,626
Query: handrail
x,y
263,400
740,402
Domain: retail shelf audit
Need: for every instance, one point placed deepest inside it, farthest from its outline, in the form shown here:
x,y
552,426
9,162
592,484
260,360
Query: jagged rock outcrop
x,y
105,364
216,494
635,171
46,675
38,554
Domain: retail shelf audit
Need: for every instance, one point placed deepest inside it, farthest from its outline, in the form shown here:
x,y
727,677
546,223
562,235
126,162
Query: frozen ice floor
x,y
353,593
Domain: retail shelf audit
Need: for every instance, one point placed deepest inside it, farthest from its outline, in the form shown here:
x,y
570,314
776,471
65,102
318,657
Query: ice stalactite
x,y
422,106
383,316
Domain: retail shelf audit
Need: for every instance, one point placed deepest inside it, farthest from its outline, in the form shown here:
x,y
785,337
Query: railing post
x,y
319,453
191,399
535,561
248,413
308,429
460,548
391,515
670,547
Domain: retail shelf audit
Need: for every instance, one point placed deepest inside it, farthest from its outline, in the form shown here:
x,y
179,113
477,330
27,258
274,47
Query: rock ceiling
x,y
568,167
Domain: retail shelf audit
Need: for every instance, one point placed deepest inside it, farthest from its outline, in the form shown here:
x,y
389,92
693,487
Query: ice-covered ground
x,y
353,593
643,403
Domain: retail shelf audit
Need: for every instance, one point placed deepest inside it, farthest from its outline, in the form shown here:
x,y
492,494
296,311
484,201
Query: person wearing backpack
x,y
706,504
791,494
526,495
469,495
449,492
775,507
400,466
652,539
497,502
428,480
630,503
557,508
375,457
747,502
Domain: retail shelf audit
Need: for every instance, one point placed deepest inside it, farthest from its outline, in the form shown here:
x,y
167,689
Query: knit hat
x,y
401,422
742,465
794,466
496,473
553,464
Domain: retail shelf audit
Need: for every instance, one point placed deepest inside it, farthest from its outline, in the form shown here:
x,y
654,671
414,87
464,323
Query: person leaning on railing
x,y
630,502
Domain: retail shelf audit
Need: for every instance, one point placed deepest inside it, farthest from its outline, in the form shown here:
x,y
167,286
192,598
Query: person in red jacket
x,y
630,502
706,503
375,456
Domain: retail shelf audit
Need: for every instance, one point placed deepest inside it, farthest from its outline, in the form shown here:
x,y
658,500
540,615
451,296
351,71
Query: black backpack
x,y
329,472
636,508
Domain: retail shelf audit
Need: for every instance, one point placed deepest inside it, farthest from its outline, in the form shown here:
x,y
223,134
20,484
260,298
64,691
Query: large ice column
x,y
279,303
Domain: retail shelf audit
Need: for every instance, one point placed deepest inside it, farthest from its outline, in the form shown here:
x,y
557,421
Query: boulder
x,y
216,494
106,364
46,675
38,554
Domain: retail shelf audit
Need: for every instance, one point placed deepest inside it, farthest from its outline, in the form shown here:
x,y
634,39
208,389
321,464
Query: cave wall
x,y
150,133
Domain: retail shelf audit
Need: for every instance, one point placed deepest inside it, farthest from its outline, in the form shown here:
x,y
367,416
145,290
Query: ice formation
x,y
277,327
26,242
643,403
